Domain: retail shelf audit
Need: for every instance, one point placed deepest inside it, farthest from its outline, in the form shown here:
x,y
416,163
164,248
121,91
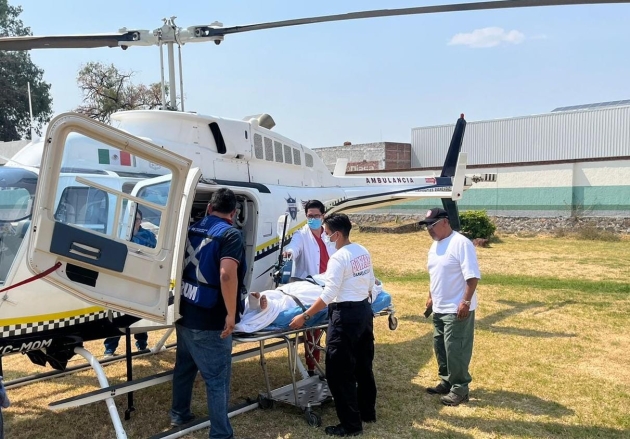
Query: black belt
x,y
342,305
299,303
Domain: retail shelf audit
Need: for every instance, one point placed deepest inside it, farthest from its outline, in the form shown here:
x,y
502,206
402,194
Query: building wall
x,y
589,189
571,135
378,156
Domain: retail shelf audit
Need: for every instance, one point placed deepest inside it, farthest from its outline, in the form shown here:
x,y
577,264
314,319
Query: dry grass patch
x,y
550,357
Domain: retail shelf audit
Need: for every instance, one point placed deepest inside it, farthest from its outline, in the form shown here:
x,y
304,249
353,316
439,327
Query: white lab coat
x,y
306,252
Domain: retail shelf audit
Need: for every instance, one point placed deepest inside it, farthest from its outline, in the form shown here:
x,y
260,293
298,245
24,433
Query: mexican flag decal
x,y
115,157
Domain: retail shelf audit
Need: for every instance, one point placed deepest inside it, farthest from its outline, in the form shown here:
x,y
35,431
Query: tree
x,y
107,90
16,71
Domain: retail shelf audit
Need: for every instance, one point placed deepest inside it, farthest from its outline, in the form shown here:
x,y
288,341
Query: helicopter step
x,y
204,422
120,389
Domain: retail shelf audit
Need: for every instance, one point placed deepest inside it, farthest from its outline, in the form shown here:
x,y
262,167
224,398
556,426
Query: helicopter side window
x,y
268,149
297,158
308,160
287,154
278,147
258,147
218,137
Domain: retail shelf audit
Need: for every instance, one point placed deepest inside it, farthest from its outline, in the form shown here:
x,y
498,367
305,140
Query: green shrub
x,y
476,224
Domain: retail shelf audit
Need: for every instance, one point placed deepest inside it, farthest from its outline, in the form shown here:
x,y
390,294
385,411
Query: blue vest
x,y
201,282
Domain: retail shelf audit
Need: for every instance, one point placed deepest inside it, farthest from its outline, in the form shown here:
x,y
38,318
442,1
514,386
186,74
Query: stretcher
x,y
310,391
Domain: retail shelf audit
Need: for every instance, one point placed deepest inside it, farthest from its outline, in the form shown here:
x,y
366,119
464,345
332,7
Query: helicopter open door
x,y
87,224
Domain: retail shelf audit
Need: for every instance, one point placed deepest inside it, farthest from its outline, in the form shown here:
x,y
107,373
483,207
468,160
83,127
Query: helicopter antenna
x,y
30,110
162,85
181,76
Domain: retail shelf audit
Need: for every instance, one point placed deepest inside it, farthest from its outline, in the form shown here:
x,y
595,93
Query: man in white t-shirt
x,y
349,279
453,273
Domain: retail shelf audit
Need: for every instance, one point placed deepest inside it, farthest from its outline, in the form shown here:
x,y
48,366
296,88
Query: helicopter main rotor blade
x,y
68,41
459,7
211,32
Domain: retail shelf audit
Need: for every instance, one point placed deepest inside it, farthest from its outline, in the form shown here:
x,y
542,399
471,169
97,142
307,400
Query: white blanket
x,y
257,319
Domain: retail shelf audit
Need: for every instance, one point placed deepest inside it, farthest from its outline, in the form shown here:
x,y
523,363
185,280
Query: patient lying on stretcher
x,y
274,309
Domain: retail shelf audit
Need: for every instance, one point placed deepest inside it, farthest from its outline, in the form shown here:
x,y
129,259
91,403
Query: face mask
x,y
314,223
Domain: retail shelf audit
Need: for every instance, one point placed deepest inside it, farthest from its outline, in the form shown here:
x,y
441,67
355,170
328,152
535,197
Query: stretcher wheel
x,y
393,322
264,402
313,419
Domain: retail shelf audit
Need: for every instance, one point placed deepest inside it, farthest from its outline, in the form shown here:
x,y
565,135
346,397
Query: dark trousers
x,y
111,343
349,356
453,346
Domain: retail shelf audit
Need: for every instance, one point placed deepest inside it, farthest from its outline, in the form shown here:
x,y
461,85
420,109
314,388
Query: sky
x,y
363,80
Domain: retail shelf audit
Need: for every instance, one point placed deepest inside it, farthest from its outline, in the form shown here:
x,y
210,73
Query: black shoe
x,y
338,430
178,423
453,399
440,389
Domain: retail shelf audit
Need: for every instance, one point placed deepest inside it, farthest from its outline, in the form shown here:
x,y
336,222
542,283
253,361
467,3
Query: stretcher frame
x,y
310,391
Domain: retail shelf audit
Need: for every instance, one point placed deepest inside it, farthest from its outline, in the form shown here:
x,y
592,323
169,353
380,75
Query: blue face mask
x,y
314,223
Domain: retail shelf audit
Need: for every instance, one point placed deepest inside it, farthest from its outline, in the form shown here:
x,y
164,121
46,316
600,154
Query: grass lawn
x,y
551,356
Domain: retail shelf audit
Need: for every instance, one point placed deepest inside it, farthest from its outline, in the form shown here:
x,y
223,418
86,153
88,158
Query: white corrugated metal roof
x,y
583,134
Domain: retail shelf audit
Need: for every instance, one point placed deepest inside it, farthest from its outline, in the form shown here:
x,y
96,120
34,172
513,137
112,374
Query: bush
x,y
476,224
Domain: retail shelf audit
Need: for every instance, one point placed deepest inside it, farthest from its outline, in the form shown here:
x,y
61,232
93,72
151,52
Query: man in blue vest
x,y
210,304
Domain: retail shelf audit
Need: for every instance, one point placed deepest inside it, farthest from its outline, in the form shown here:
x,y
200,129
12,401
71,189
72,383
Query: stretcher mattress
x,y
283,307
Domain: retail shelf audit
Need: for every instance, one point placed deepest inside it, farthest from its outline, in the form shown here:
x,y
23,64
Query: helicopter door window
x,y
92,194
142,230
143,225
85,207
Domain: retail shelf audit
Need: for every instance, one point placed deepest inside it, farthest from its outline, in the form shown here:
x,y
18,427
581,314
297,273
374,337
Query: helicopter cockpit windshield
x,y
17,189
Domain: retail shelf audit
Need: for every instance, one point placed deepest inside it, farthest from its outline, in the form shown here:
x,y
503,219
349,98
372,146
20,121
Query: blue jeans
x,y
111,343
211,355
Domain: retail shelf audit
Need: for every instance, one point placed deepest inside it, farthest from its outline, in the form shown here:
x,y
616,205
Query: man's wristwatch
x,y
306,317
466,302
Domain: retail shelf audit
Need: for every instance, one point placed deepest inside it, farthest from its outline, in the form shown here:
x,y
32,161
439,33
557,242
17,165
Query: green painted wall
x,y
549,200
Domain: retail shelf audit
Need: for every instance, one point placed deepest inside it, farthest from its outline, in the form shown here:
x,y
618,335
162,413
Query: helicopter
x,y
70,272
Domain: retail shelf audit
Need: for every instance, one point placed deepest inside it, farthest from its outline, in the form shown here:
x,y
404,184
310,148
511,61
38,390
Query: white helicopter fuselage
x,y
99,184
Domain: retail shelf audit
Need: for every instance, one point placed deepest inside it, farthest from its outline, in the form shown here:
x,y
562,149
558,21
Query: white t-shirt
x,y
452,261
349,277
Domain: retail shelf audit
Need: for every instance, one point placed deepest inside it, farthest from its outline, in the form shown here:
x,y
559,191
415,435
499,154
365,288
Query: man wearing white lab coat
x,y
308,243
310,249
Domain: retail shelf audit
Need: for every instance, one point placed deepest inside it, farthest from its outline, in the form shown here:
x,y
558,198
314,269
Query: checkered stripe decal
x,y
266,250
49,325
